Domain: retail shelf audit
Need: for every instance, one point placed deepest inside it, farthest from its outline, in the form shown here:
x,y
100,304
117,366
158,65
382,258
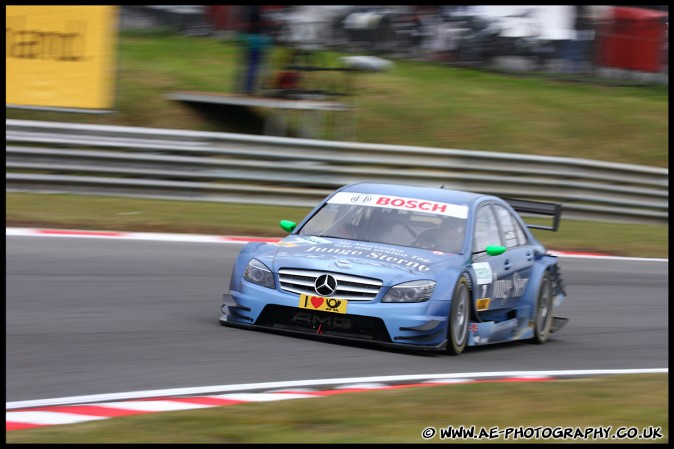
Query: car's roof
x,y
410,191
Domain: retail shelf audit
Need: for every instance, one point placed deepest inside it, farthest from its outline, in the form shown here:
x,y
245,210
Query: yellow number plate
x,y
321,303
482,304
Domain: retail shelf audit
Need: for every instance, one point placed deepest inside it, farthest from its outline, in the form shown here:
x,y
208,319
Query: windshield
x,y
391,225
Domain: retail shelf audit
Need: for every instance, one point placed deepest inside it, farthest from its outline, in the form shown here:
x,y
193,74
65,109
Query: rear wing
x,y
538,208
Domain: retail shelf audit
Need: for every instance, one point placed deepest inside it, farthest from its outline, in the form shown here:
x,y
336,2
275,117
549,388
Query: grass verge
x,y
414,103
635,403
138,215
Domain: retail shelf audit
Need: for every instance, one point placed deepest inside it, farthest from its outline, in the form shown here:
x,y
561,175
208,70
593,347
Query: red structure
x,y
231,17
634,40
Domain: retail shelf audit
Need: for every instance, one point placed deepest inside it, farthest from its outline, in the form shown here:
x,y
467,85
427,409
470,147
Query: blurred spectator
x,y
579,53
429,22
256,42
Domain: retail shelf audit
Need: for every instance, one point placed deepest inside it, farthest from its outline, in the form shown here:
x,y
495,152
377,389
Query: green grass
x,y
129,214
395,416
415,103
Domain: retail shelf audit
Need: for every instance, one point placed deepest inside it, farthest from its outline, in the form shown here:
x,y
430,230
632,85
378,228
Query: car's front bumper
x,y
420,326
440,347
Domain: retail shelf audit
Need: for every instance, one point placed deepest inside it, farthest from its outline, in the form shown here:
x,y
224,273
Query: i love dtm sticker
x,y
325,304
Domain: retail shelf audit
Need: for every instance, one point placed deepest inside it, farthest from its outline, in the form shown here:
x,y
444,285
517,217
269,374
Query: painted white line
x,y
362,386
49,418
533,377
294,390
263,397
607,257
151,406
159,237
308,383
120,235
460,380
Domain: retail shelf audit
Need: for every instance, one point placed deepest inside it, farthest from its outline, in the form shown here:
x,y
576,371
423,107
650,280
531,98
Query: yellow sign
x,y
61,56
321,303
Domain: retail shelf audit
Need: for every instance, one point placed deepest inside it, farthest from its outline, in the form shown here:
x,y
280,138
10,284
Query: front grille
x,y
351,288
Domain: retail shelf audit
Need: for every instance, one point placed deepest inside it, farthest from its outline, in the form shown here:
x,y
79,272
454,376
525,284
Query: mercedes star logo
x,y
325,285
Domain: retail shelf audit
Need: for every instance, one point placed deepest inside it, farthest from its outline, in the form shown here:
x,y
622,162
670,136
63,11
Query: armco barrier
x,y
206,166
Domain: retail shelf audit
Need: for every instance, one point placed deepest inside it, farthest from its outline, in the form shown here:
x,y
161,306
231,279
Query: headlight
x,y
257,273
414,291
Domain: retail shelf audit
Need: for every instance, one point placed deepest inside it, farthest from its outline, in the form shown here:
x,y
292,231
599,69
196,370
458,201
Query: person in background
x,y
579,52
257,43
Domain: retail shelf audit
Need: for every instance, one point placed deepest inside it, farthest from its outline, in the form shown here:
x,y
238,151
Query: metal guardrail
x,y
206,166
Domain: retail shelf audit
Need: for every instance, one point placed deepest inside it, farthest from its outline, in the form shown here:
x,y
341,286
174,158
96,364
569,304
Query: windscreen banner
x,y
61,57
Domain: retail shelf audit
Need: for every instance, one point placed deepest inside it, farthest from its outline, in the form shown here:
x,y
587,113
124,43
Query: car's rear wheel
x,y
457,331
543,315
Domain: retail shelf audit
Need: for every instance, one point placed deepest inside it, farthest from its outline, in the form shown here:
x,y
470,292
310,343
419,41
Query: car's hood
x,y
390,263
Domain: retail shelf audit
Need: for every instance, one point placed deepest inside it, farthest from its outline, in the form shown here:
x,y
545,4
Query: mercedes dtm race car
x,y
416,267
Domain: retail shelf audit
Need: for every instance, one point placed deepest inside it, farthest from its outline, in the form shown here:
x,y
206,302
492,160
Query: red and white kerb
x,y
400,202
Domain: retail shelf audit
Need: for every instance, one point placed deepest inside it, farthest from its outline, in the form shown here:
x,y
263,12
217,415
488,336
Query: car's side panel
x,y
510,319
511,273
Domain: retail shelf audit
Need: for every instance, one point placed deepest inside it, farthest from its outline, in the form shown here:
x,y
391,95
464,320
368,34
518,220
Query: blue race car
x,y
416,267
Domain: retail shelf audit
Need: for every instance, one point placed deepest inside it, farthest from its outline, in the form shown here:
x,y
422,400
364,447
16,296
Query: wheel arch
x,y
530,295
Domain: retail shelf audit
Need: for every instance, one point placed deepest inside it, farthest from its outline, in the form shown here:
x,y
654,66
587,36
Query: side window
x,y
505,219
486,229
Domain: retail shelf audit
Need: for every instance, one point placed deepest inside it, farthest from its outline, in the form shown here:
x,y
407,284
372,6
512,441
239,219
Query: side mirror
x,y
495,250
289,226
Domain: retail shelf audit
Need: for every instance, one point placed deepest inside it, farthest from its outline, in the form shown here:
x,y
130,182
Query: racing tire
x,y
459,314
543,310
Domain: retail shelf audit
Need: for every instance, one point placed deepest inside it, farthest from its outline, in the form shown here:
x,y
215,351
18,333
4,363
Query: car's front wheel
x,y
543,315
458,318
